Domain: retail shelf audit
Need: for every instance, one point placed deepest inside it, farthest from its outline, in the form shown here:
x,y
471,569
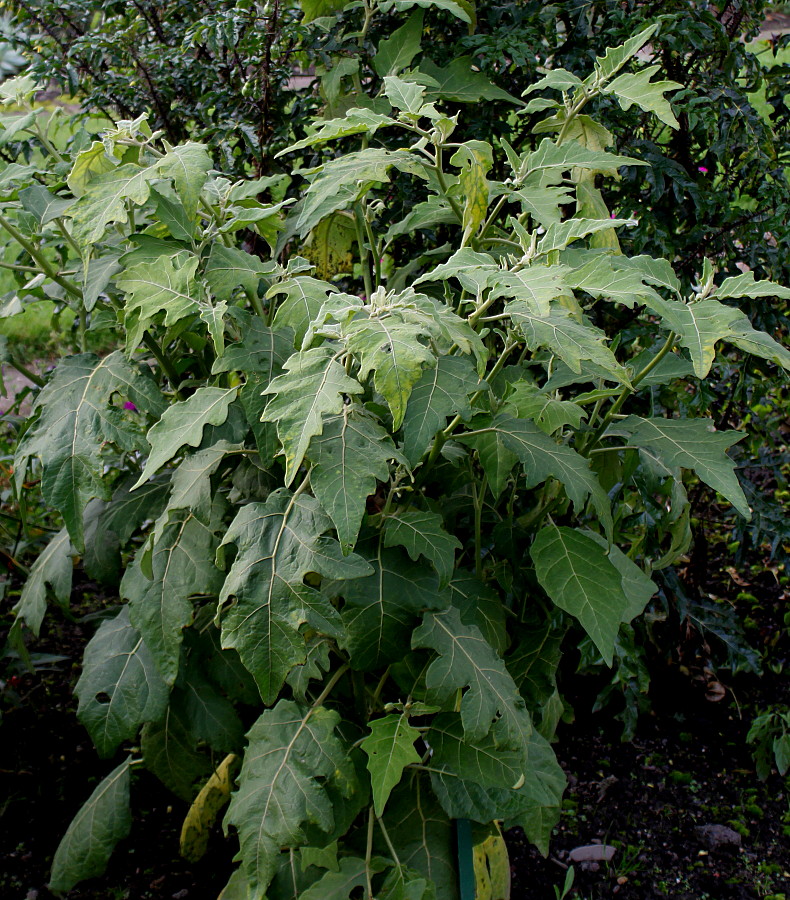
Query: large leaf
x,y
572,341
102,821
228,268
423,834
120,687
423,534
381,610
536,285
442,391
691,444
181,564
577,574
183,423
77,417
482,782
459,82
571,154
169,752
304,297
491,702
158,287
349,457
397,51
188,165
292,753
279,543
542,457
313,386
389,748
745,285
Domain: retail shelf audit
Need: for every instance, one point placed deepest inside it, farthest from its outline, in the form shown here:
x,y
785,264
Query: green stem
x,y
491,218
363,253
330,685
388,842
47,144
83,330
380,687
607,449
375,250
164,363
16,268
478,496
628,390
369,852
443,185
67,235
23,370
44,264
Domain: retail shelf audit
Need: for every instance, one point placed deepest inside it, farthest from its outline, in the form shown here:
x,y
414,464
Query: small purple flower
x,y
702,169
130,405
612,216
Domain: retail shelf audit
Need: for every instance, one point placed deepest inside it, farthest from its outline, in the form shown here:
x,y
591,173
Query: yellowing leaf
x,y
200,819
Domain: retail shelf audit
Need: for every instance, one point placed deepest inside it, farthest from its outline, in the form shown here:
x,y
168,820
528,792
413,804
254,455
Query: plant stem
x,y
478,496
363,253
369,852
628,390
44,264
23,370
388,842
164,363
330,686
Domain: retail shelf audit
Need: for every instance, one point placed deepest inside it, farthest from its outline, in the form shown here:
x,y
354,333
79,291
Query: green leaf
x,y
101,822
188,165
353,873
702,324
557,79
316,9
404,95
542,457
691,444
441,391
638,587
495,458
381,610
474,158
355,121
191,483
569,339
482,782
53,568
158,287
390,748
260,350
279,542
559,234
535,285
228,268
528,401
76,418
647,95
183,423
392,349
104,201
312,387
616,57
460,83
342,181
479,605
169,752
744,285
570,155
423,534
535,659
304,297
577,574
544,203
601,279
96,276
293,752
120,687
349,457
44,205
181,565
396,52
424,835
491,703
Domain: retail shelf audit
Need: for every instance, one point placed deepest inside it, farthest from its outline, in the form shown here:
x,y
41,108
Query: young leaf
x,y
390,748
278,543
120,687
691,444
188,165
349,457
491,703
292,753
442,391
183,423
312,387
102,821
76,418
404,95
181,564
579,577
423,534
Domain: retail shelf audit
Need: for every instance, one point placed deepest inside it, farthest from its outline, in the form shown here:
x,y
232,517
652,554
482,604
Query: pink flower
x,y
612,216
702,169
130,405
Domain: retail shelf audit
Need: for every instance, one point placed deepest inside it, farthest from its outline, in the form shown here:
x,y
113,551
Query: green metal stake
x,y
466,865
